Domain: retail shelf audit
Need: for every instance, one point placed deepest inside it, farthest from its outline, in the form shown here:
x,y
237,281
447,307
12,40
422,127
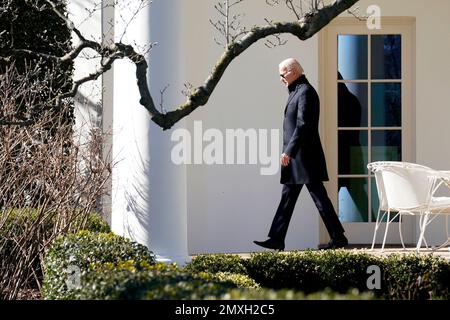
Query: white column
x,y
107,22
149,191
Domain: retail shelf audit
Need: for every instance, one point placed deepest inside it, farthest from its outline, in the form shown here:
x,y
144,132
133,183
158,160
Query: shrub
x,y
240,280
294,270
414,277
15,226
343,270
142,280
213,263
94,223
402,277
43,163
185,286
16,220
112,267
131,280
83,251
308,270
289,294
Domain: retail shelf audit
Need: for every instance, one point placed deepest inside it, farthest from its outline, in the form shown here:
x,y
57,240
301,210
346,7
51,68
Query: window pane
x,y
353,199
352,152
352,56
376,202
352,104
387,145
386,104
386,56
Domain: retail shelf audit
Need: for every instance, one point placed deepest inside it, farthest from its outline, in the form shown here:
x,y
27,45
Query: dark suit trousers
x,y
289,196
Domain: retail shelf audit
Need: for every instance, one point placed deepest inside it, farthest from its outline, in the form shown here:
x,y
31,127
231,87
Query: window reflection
x,y
352,56
386,56
386,104
353,200
353,151
352,104
387,145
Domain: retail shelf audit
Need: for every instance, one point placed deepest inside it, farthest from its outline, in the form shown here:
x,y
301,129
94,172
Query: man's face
x,y
287,76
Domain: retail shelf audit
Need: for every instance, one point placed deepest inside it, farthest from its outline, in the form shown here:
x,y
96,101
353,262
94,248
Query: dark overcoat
x,y
301,140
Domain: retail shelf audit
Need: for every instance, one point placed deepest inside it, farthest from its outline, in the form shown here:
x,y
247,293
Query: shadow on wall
x,y
88,111
136,219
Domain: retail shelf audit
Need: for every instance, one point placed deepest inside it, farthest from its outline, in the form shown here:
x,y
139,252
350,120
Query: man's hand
x,y
284,159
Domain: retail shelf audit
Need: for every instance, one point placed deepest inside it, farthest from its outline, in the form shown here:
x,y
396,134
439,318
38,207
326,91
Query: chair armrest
x,y
445,175
441,174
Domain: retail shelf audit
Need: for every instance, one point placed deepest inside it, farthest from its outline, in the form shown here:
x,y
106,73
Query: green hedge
x,y
85,251
15,220
112,267
308,271
141,280
213,263
413,277
240,280
311,271
94,223
132,280
402,277
289,294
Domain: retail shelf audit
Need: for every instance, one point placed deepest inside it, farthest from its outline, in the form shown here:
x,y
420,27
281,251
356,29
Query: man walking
x,y
302,160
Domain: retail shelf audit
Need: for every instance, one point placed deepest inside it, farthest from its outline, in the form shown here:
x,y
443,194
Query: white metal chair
x,y
408,188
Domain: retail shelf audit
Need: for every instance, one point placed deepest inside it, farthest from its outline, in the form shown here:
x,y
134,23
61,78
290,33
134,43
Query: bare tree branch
x,y
355,12
142,5
306,27
161,103
291,6
303,29
50,180
187,91
278,40
230,27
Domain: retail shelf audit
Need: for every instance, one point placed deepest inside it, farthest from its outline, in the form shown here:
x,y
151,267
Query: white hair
x,y
292,64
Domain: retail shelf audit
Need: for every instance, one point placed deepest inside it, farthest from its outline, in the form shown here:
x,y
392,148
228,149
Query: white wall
x,y
229,206
432,82
88,99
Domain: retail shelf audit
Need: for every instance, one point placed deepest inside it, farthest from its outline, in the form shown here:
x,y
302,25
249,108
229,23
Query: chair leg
x,y
448,236
446,226
400,230
421,218
443,245
377,225
422,231
386,230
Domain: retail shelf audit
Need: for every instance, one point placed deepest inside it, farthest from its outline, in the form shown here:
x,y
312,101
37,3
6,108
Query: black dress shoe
x,y
270,244
336,243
